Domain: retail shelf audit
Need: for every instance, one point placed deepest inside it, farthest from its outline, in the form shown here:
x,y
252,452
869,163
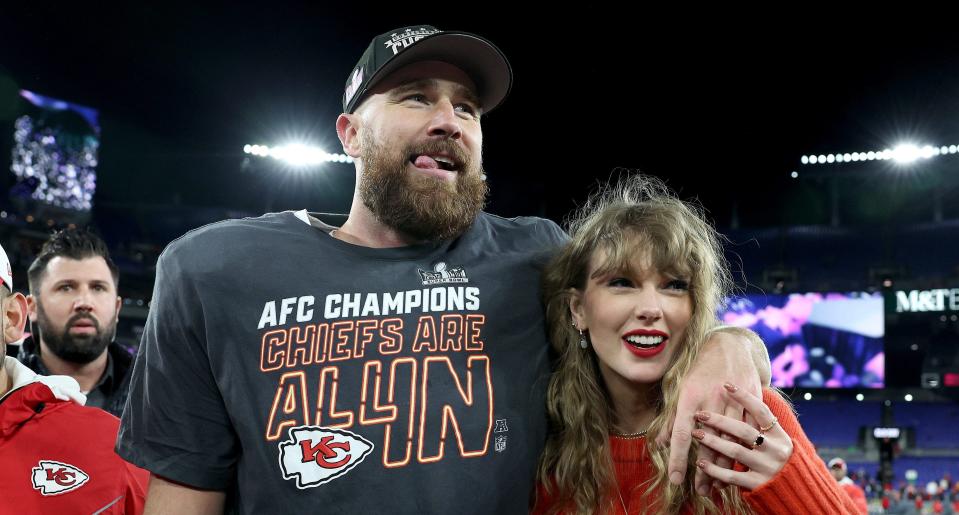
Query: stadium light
x,y
297,154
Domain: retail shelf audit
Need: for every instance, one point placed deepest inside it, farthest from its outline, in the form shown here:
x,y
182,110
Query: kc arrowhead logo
x,y
317,455
55,478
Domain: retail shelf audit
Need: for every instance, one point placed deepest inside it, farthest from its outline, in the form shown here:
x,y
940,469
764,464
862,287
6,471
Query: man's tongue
x,y
425,162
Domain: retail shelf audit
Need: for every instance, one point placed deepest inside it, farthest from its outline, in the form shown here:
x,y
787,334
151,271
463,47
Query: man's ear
x,y
14,317
347,129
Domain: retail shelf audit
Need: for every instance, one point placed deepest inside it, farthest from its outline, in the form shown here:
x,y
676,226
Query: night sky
x,y
720,104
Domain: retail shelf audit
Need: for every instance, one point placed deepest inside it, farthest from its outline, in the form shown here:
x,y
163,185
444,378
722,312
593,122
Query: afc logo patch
x,y
317,455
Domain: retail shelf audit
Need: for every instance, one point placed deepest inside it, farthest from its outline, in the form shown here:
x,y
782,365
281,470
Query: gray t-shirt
x,y
303,374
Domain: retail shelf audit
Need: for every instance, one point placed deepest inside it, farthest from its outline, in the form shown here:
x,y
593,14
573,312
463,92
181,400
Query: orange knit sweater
x,y
803,486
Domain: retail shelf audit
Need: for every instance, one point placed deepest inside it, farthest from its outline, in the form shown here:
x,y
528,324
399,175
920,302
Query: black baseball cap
x,y
485,64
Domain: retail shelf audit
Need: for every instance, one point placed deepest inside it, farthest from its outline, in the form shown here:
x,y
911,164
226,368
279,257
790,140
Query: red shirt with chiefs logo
x,y
57,456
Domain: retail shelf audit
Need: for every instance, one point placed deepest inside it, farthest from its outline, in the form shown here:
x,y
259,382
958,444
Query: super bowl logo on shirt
x,y
441,274
55,478
316,455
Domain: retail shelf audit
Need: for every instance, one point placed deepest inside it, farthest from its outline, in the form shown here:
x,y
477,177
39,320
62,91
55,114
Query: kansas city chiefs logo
x,y
55,478
316,455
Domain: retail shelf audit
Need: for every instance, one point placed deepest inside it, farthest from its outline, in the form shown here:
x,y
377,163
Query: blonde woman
x,y
630,299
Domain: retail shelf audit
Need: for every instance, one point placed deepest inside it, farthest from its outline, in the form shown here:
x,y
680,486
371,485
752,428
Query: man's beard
x,y
74,348
421,207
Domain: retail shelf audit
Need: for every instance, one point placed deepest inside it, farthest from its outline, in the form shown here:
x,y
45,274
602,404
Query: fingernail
x,y
701,464
702,415
703,490
698,434
731,387
675,478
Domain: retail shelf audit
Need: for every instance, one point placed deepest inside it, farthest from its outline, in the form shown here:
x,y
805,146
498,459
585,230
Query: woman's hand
x,y
764,451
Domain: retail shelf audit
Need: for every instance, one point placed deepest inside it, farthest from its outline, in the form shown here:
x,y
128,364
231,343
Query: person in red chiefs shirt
x,y
837,466
56,455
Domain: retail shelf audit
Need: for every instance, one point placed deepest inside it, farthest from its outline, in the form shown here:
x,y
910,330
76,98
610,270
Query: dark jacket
x,y
111,390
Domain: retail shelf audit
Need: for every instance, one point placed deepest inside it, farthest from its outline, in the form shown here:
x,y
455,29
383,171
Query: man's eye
x,y
466,108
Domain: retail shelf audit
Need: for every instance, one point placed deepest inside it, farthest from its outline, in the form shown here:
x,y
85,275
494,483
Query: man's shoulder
x,y
542,231
232,229
94,420
518,222
58,416
81,436
220,243
123,358
121,355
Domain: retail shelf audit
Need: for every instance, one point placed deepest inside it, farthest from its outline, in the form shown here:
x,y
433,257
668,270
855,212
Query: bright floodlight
x,y
906,153
903,154
297,154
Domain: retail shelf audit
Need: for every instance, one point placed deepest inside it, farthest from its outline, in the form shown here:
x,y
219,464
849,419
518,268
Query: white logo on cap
x,y
355,81
406,38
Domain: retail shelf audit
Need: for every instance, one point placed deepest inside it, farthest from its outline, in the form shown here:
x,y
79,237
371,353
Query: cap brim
x,y
478,57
